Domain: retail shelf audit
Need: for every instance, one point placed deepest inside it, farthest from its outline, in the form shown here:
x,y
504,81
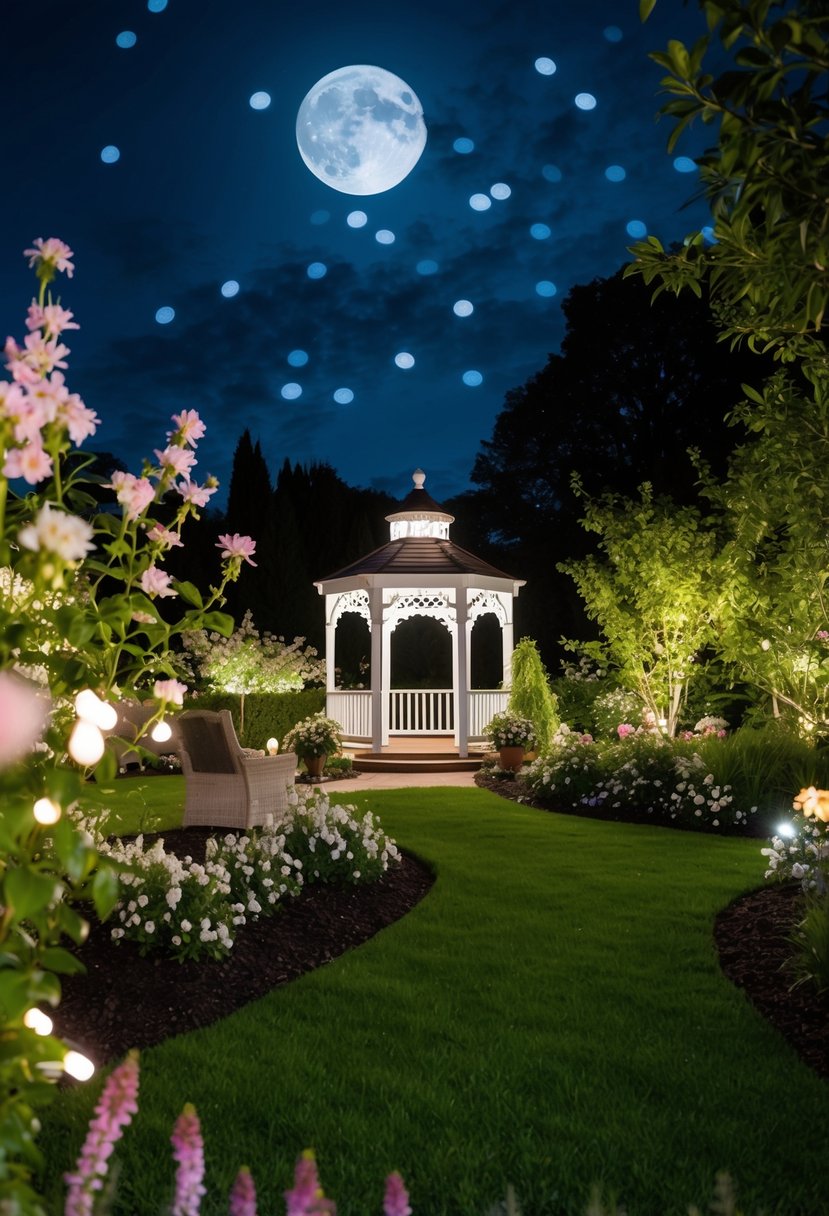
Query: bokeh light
x,y
230,289
472,378
317,270
612,33
545,66
404,359
545,288
384,237
615,173
463,308
585,101
165,315
464,145
260,101
343,396
427,266
291,391
156,6
126,39
500,191
684,164
540,232
480,202
356,219
551,173
110,154
637,229
708,234
320,217
298,358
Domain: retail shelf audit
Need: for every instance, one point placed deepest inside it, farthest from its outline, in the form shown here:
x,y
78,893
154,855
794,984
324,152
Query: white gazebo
x,y
420,572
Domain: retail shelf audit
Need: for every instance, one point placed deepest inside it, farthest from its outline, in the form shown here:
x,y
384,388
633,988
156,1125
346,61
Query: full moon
x,y
360,130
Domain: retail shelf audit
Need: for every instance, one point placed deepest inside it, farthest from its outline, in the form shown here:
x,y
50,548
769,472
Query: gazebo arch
x,y
419,572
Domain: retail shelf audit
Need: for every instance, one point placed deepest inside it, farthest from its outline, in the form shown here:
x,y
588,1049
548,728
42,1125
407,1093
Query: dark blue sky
x,y
207,189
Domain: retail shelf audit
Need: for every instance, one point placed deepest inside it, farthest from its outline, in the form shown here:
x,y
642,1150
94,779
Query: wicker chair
x,y
129,734
225,785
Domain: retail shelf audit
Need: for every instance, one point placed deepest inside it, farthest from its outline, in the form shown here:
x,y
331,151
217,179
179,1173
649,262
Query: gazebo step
x,y
414,762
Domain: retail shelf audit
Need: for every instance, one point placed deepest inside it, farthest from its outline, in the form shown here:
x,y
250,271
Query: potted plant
x,y
512,735
314,739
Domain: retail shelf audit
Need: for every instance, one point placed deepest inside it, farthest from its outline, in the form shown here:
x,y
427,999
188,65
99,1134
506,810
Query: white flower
x,y
149,927
186,926
66,536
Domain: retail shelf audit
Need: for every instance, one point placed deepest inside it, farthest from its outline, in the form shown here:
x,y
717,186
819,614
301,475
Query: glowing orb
x,y
472,378
463,308
637,229
384,237
317,270
260,101
404,359
684,164
110,154
343,396
612,33
545,66
464,145
545,288
585,101
230,289
551,173
540,232
356,219
126,39
298,358
320,217
360,130
291,391
165,315
500,191
427,266
480,202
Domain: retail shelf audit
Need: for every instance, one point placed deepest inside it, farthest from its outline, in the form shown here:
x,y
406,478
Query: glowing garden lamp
x,y
90,708
161,732
46,812
78,1065
38,1021
86,743
787,830
273,746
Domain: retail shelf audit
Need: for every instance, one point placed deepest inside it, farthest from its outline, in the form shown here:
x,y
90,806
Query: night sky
x,y
208,192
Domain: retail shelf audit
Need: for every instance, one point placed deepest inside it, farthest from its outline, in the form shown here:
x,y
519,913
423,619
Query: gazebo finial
x,y
418,477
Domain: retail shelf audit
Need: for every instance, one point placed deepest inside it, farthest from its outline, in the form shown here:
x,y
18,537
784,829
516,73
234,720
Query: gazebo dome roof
x,y
420,556
419,505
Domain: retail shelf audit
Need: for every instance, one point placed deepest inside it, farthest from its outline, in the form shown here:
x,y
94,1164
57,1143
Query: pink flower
x,y
396,1198
175,460
822,635
624,729
21,371
118,1103
236,546
170,690
190,427
188,1151
306,1198
31,463
155,582
163,536
23,712
51,318
243,1195
133,493
81,422
197,495
50,255
48,397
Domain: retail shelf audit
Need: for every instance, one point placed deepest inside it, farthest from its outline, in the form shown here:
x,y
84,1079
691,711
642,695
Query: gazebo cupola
x,y
418,572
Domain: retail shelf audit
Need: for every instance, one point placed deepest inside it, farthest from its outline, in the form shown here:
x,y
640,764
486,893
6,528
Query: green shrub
x,y
267,714
614,707
766,767
530,695
811,940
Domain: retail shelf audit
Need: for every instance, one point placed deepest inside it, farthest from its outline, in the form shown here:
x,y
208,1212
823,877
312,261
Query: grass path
x,y
552,1015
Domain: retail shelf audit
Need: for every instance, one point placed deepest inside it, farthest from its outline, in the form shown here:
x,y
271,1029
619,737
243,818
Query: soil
x,y
125,1000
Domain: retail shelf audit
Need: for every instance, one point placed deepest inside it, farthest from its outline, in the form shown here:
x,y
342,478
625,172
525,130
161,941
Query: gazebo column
x,y
507,641
461,673
330,644
375,602
388,630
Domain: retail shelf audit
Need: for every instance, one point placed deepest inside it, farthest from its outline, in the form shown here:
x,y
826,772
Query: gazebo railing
x,y
421,711
415,711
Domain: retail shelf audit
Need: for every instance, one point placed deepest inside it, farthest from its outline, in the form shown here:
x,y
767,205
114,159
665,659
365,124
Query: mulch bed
x,y
125,1000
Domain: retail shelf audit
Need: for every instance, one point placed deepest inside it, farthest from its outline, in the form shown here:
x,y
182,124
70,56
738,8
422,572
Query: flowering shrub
x,y
87,615
314,736
189,910
644,773
614,707
247,662
510,730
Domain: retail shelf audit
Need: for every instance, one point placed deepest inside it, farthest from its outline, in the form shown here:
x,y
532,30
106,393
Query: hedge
x,y
266,713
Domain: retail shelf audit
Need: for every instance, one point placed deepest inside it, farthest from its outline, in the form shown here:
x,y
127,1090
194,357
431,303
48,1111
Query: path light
x,y
86,743
38,1021
272,746
161,732
78,1065
46,812
787,830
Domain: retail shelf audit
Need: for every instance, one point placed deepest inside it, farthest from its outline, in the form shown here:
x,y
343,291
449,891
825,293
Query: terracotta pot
x,y
314,765
511,758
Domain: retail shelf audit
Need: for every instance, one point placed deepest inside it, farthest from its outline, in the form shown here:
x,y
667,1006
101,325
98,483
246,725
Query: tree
x,y
654,594
766,274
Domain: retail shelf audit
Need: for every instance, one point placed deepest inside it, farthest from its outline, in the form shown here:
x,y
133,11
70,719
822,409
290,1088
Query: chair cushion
x,y
206,745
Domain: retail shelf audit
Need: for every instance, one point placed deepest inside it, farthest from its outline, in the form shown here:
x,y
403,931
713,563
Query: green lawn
x,y
550,1016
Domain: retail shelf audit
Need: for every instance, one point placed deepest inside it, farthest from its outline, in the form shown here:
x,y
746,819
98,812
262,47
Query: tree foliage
x,y
653,590
530,694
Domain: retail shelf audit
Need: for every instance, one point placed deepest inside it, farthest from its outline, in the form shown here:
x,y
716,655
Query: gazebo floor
x,y
415,754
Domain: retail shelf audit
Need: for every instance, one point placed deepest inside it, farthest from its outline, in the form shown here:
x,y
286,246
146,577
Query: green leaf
x,y
55,958
106,769
219,622
28,892
14,994
646,7
190,593
106,890
74,625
